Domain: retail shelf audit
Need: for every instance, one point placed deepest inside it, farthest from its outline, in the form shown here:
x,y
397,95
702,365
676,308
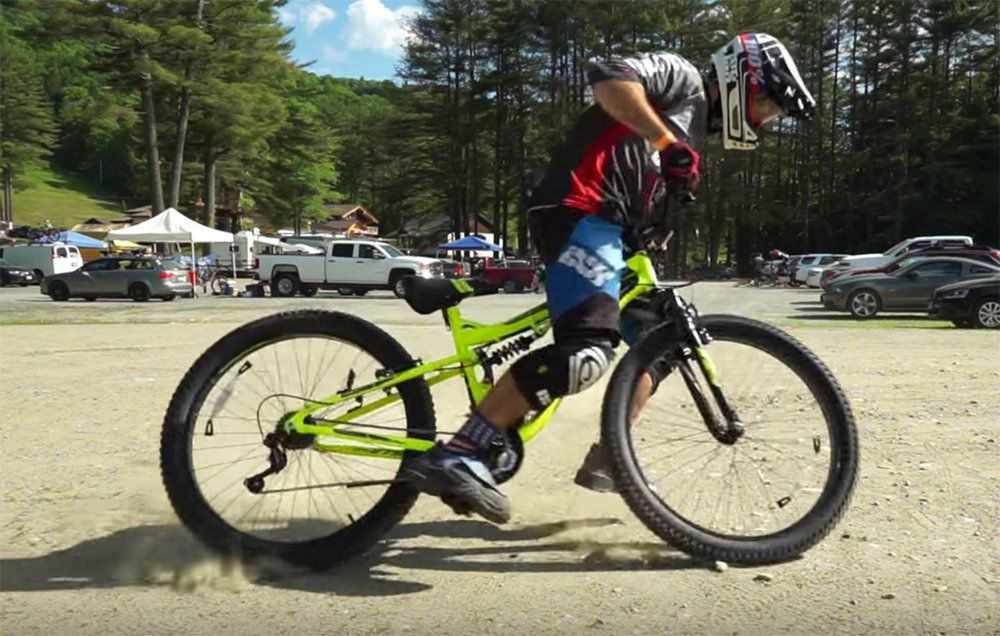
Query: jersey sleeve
x,y
667,78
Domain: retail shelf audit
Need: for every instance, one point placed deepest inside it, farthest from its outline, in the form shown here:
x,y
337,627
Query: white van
x,y
44,260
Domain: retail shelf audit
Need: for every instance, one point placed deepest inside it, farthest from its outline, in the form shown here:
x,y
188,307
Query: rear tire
x,y
58,291
180,426
285,285
708,543
138,292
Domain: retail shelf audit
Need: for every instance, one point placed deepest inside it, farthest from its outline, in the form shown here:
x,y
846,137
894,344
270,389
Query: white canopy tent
x,y
170,226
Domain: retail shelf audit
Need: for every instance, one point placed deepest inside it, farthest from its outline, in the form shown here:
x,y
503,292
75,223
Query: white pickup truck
x,y
351,266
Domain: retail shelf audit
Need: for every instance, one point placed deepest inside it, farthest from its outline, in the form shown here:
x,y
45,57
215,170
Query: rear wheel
x,y
512,287
768,494
987,313
345,291
138,292
285,285
320,508
58,291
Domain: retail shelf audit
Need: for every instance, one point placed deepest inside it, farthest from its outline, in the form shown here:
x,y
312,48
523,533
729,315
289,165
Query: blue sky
x,y
348,38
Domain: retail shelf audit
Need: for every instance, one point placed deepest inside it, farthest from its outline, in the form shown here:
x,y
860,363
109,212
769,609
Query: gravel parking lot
x,y
90,544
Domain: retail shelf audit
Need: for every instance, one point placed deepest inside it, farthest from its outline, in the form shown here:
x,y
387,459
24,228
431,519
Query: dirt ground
x,y
90,544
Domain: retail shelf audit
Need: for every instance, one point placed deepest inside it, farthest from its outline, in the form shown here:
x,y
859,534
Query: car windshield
x,y
895,248
391,251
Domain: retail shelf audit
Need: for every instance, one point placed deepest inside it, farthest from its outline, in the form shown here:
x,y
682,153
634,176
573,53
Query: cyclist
x,y
640,139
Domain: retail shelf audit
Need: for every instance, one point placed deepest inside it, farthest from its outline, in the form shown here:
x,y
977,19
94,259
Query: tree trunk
x,y
8,196
183,112
209,195
152,148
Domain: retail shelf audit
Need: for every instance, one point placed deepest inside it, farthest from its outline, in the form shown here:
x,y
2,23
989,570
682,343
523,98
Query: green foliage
x,y
26,127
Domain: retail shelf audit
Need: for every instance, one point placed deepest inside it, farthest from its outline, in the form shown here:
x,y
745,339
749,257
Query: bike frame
x,y
470,339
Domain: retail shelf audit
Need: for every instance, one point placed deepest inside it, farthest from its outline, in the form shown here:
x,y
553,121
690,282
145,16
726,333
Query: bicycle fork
x,y
722,421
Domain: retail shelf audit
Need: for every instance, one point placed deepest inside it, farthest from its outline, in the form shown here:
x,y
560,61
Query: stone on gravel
x,y
888,596
720,566
764,576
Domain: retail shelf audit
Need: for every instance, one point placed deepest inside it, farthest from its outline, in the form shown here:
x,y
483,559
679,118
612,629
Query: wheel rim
x,y
400,288
285,286
139,292
247,400
766,481
864,304
59,290
989,314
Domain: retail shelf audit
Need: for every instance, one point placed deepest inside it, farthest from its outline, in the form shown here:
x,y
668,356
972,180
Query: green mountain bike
x,y
285,438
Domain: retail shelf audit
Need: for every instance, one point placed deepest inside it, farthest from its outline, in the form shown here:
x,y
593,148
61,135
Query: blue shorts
x,y
584,267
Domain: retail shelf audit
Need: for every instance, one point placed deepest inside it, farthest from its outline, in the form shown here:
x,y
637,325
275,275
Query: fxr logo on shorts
x,y
587,265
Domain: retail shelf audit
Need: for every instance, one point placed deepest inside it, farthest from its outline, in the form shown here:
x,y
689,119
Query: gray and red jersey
x,y
606,169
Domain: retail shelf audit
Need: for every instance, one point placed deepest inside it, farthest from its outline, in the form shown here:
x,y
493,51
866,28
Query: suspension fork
x,y
729,428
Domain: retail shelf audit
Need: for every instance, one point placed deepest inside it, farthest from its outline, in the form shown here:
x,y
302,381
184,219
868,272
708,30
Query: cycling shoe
x,y
461,481
595,473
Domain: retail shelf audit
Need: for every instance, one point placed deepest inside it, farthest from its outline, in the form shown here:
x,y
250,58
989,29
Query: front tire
x,y
986,315
397,285
217,373
58,291
864,304
636,479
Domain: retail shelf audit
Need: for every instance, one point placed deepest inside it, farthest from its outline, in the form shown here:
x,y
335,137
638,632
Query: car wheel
x,y
345,291
397,286
864,304
987,314
39,275
509,286
138,292
309,290
285,285
58,291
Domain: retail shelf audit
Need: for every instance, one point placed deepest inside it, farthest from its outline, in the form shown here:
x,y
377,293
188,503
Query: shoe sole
x,y
596,483
463,495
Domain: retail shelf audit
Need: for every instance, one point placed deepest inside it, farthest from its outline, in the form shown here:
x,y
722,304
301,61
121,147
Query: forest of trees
x,y
207,95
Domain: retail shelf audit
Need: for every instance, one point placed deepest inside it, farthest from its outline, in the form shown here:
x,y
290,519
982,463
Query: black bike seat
x,y
427,295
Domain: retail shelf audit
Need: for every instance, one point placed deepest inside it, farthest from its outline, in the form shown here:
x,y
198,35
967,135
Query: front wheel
x,y
987,314
321,507
764,495
864,304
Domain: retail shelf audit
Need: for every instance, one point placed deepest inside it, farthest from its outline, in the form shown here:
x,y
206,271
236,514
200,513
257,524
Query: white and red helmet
x,y
754,64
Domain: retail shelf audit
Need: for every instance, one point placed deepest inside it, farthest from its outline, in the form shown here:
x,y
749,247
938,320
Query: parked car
x,y
907,289
511,275
809,261
136,277
451,269
815,274
350,266
867,261
975,252
973,303
14,275
43,260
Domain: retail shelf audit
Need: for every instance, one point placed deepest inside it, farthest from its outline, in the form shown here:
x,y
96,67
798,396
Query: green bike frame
x,y
469,338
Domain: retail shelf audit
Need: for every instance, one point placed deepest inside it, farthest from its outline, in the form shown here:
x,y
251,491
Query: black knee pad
x,y
561,369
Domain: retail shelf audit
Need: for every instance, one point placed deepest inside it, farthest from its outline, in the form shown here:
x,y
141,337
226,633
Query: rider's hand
x,y
680,164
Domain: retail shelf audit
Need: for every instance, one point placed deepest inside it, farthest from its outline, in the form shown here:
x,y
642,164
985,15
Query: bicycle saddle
x,y
427,295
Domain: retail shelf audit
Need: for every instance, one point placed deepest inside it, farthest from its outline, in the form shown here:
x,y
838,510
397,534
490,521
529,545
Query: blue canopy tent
x,y
471,243
75,238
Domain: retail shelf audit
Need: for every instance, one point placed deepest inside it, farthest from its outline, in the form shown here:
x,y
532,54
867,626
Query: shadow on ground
x,y
167,555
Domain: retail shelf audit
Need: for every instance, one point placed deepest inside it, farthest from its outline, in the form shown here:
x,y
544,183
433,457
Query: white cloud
x,y
375,27
311,15
316,15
